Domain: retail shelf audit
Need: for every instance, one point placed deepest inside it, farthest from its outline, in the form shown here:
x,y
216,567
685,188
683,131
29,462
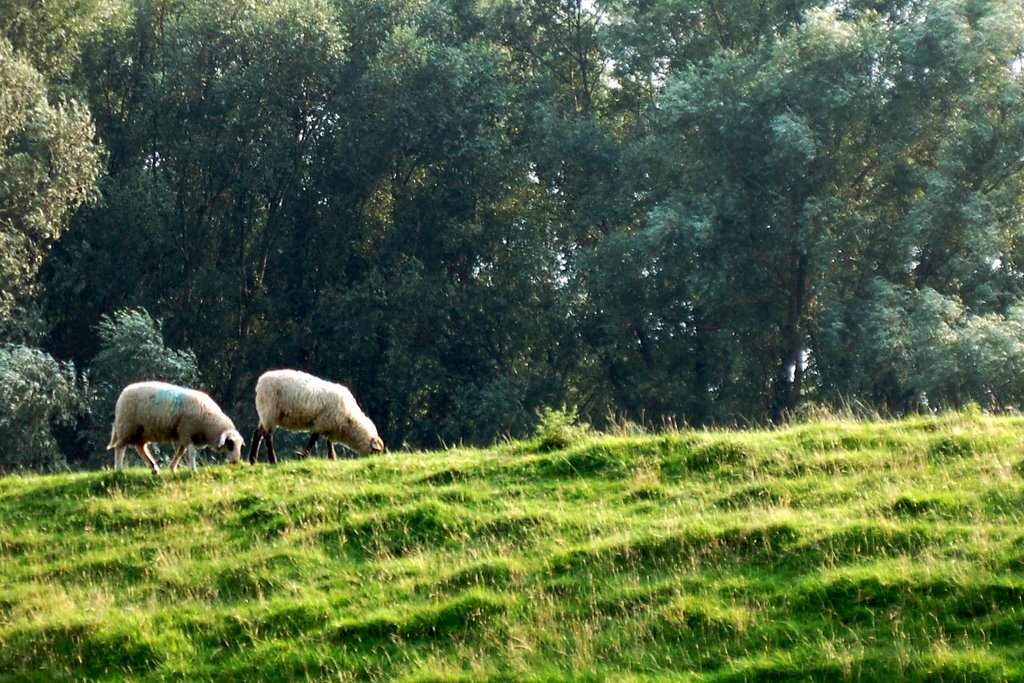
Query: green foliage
x,y
559,428
931,352
48,167
50,34
832,549
133,349
651,209
37,394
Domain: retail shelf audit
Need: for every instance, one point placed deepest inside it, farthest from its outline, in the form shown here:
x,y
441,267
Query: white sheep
x,y
157,412
298,401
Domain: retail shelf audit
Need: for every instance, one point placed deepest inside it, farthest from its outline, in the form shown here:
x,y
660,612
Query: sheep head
x,y
231,442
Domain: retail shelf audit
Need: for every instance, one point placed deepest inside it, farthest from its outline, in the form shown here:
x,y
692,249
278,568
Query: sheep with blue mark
x,y
298,401
157,412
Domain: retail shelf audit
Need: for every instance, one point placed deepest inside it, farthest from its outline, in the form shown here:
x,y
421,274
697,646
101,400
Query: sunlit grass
x,y
833,549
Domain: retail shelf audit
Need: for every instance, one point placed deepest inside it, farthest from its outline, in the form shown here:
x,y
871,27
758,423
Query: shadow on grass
x,y
464,615
84,650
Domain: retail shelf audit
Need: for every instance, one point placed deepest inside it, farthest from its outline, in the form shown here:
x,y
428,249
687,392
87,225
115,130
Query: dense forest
x,y
699,211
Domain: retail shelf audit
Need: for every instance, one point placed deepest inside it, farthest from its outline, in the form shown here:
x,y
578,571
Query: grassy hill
x,y
834,550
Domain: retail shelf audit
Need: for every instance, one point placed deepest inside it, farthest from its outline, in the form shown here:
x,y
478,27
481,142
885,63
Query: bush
x,y
36,394
559,428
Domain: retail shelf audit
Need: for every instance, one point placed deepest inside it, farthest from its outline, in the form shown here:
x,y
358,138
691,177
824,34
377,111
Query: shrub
x,y
36,394
559,428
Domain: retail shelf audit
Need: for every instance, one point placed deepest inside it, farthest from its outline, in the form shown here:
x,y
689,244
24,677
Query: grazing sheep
x,y
297,401
149,412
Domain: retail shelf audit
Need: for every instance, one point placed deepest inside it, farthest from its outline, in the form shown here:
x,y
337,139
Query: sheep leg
x,y
148,457
192,457
177,457
257,442
270,446
119,457
331,455
309,444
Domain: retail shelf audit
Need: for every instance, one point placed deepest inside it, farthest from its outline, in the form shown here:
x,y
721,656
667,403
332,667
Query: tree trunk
x,y
789,382
702,348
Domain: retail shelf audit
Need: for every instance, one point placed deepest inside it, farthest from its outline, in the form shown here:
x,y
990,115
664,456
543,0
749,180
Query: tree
x,y
283,192
49,35
696,209
214,113
939,221
441,319
796,170
48,167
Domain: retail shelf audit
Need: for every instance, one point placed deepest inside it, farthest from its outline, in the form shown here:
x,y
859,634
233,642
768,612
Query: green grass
x,y
835,550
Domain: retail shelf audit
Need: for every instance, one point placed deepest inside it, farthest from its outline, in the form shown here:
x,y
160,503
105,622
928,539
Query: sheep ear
x,y
223,440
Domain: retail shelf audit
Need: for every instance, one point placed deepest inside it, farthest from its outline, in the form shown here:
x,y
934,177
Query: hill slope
x,y
837,550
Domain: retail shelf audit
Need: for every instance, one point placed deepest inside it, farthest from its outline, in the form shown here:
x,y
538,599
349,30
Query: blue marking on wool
x,y
174,396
